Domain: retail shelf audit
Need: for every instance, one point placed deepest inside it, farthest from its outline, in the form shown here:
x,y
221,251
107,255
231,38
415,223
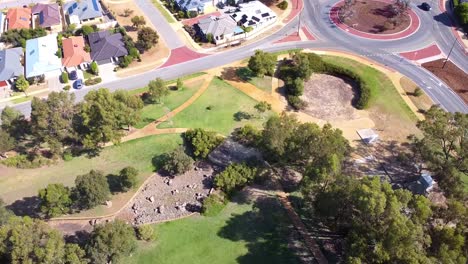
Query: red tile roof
x,y
73,52
19,18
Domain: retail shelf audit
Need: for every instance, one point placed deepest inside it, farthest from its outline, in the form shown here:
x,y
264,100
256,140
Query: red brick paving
x,y
297,6
293,37
193,21
307,33
182,54
414,26
427,52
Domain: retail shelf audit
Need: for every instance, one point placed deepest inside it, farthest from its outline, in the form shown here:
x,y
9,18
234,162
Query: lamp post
x,y
450,52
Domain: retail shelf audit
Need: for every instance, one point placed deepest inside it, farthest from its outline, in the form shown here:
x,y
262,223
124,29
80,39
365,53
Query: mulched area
x,y
453,76
371,17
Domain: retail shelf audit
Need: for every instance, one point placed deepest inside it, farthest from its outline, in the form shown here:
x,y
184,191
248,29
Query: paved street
x,y
434,28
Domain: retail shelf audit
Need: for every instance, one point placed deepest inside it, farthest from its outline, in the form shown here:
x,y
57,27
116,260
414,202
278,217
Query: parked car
x,y
73,75
78,84
425,6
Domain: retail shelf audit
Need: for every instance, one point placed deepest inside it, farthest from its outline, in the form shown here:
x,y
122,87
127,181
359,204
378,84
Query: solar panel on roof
x,y
75,5
95,5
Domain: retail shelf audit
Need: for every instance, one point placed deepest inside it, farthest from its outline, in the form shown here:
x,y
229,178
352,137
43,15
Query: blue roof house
x,y
82,12
41,58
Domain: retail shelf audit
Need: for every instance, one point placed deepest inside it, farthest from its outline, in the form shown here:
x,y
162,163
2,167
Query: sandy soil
x,y
370,17
453,76
423,102
329,98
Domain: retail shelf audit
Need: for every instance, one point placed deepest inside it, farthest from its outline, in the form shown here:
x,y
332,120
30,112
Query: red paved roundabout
x,y
182,54
413,27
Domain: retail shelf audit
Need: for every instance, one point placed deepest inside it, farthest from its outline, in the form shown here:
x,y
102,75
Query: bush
x,y
128,178
296,102
213,205
67,87
64,77
145,232
93,81
235,177
201,142
126,60
241,115
94,68
418,92
283,5
247,135
23,161
461,11
177,162
67,155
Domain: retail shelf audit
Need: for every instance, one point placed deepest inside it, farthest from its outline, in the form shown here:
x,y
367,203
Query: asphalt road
x,y
315,16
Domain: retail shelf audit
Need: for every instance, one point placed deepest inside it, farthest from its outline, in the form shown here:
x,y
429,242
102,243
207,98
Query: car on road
x,y
73,75
425,6
78,84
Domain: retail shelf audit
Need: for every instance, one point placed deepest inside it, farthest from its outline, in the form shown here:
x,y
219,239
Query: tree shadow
x,y
114,183
28,206
266,230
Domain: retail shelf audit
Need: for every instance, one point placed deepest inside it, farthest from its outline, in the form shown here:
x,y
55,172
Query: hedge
x,y
93,81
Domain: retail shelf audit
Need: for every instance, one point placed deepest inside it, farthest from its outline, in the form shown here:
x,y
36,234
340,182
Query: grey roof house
x,y
81,11
10,63
198,6
48,15
106,47
219,27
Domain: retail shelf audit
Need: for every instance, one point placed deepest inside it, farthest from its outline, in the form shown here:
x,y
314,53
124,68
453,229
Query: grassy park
x,y
241,233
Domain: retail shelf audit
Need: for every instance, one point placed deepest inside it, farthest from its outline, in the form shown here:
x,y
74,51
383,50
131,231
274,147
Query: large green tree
x,y
7,142
147,38
128,178
14,123
131,107
111,242
234,177
157,89
92,189
201,142
177,162
55,200
262,63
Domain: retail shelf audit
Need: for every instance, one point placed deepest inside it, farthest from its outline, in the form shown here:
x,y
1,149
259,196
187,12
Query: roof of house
x,y
41,55
217,25
105,45
73,52
49,14
13,68
19,18
251,13
84,9
192,5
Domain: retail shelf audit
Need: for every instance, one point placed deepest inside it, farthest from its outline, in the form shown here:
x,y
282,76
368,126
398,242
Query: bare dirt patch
x,y
374,17
329,98
422,102
455,77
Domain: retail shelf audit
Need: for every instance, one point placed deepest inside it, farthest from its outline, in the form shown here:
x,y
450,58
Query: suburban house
x,y
18,18
83,12
221,28
198,6
106,47
41,57
253,14
74,54
47,16
10,65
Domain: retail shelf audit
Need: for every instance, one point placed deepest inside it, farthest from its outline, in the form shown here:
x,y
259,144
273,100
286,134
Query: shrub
x,y
23,161
93,81
418,92
296,102
235,177
126,60
209,38
64,77
177,162
94,68
67,87
179,84
247,135
67,155
283,5
145,232
201,142
128,178
213,205
241,115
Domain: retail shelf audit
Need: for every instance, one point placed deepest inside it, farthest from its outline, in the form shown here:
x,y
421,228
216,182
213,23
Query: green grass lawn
x,y
169,18
152,112
384,95
18,183
88,75
263,83
239,234
215,109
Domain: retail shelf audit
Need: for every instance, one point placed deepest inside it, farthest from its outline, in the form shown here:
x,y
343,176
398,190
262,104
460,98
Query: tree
x,y
52,120
145,232
179,84
110,242
22,84
127,12
274,136
157,89
14,123
5,215
55,200
262,107
64,77
128,178
74,255
101,119
147,38
234,177
201,142
461,10
7,142
262,63
130,108
209,38
91,189
86,30
138,21
177,162
94,68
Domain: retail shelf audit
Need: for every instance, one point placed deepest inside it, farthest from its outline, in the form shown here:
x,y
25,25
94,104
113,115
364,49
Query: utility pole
x,y
450,52
299,25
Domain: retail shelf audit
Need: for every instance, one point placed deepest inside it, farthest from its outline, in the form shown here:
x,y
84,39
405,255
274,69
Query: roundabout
x,y
374,20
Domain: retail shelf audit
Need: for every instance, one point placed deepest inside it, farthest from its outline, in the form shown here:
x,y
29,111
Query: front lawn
x,y
215,110
241,233
263,83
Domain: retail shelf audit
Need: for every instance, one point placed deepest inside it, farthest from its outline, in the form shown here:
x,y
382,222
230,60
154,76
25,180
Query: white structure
x,y
41,57
368,135
254,14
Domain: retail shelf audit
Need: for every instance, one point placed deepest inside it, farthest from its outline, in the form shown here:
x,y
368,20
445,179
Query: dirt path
x,y
302,229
